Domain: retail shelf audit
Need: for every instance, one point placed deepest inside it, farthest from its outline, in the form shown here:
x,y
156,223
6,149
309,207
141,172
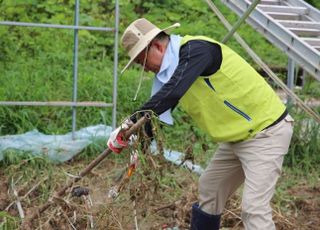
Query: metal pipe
x,y
74,27
115,67
290,77
75,68
55,103
291,72
240,21
74,103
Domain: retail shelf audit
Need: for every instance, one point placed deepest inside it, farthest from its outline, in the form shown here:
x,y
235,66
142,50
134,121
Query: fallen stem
x,y
28,222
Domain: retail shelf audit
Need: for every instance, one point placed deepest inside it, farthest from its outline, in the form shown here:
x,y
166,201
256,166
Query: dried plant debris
x,y
152,195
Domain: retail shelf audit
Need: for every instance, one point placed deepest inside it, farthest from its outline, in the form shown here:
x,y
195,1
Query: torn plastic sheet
x,y
177,158
60,148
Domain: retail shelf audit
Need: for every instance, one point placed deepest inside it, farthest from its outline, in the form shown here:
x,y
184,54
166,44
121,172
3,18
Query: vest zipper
x,y
246,116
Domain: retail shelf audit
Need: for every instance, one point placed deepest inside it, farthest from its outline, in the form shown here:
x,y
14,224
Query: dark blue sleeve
x,y
196,58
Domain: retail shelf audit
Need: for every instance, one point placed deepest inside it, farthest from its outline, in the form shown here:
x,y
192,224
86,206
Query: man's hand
x,y
117,140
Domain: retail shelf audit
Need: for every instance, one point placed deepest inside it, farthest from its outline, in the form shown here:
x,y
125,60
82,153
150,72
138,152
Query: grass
x,y
9,222
36,65
304,146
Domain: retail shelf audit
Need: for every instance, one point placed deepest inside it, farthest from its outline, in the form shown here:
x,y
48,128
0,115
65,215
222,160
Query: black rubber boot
x,y
201,220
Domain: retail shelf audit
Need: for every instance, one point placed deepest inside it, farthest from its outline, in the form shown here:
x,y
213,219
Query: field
x,y
158,195
36,65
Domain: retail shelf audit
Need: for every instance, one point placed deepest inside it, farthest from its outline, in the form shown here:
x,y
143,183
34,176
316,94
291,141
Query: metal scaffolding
x,y
256,58
74,103
291,25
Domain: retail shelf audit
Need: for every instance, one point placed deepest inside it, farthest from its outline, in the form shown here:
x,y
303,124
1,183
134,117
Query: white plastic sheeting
x,y
177,158
60,148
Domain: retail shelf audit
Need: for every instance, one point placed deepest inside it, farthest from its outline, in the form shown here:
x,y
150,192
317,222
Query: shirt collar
x,y
170,59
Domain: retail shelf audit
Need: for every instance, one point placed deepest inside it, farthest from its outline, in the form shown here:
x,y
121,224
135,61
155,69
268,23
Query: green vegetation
x,y
314,3
36,65
9,221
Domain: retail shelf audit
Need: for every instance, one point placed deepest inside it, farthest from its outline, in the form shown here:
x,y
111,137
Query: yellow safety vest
x,y
233,104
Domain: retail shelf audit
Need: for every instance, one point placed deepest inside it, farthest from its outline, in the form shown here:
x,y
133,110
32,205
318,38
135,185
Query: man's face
x,y
152,56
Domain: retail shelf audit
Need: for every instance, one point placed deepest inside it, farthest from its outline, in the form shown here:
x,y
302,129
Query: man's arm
x,y
196,58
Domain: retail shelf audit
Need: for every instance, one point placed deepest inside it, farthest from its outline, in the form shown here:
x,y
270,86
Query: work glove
x,y
117,141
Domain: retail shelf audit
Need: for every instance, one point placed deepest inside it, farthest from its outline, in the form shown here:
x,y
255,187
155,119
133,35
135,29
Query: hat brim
x,y
143,46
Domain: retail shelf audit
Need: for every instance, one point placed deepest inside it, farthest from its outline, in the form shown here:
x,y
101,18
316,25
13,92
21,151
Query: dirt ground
x,y
155,197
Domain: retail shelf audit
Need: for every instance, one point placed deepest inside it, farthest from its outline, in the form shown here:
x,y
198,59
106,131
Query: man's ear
x,y
159,45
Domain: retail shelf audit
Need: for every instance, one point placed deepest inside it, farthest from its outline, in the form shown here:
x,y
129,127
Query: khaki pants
x,y
256,162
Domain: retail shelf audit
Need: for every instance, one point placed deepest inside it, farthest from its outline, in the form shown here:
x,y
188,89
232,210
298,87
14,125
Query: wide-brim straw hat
x,y
138,35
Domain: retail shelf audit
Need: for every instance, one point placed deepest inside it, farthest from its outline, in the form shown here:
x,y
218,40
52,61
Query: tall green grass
x,y
36,63
8,222
305,145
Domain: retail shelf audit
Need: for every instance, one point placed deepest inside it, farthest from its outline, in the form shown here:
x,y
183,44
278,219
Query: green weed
x,y
305,145
8,222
